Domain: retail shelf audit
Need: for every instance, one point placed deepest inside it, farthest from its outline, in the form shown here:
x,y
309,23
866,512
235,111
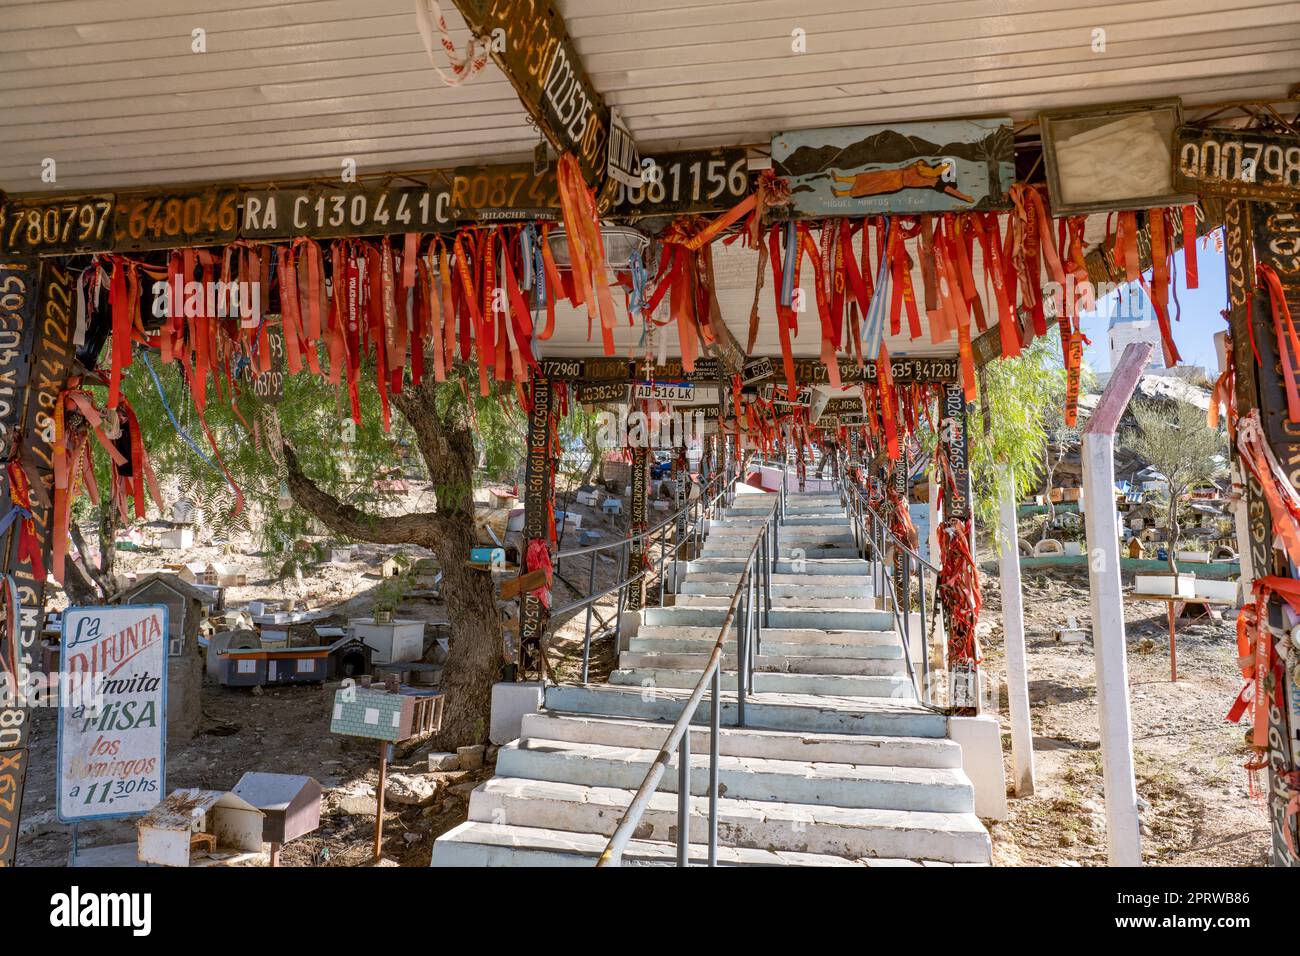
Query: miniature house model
x,y
199,828
290,803
185,604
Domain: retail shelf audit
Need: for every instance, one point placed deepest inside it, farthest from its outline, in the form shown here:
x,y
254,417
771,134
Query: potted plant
x,y
387,597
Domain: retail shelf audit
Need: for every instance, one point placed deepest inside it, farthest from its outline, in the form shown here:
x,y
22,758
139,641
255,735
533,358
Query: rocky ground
x,y
286,729
1197,807
1196,804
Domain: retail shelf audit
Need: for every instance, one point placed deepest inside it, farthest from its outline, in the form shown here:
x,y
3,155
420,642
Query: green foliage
x,y
1019,397
314,417
1176,442
390,593
579,450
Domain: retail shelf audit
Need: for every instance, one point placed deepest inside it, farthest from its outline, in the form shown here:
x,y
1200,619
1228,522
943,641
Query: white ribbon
x,y
428,13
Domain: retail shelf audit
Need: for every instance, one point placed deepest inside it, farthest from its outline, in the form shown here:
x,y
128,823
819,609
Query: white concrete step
x,y
740,543
799,531
836,655
807,601
929,789
477,844
894,685
752,505
748,741
781,827
781,580
819,566
788,551
789,712
861,588
816,518
801,636
784,663
800,618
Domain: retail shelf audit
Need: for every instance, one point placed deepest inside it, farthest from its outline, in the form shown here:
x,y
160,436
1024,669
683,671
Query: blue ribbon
x,y
534,265
171,415
791,257
637,301
874,326
13,514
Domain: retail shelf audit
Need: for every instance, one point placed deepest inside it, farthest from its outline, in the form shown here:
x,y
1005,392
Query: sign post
x,y
637,525
537,498
1266,231
49,361
964,677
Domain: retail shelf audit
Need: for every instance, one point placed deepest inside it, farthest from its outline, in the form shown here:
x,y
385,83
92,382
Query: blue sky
x,y
1194,333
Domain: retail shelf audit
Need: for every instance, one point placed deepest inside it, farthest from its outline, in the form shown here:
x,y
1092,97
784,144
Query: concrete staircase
x,y
838,765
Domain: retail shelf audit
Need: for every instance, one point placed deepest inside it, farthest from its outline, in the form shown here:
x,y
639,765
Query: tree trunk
x,y
593,449
1048,471
109,522
1171,533
474,658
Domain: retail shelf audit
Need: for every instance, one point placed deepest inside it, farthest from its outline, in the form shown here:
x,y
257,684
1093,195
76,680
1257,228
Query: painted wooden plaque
x,y
903,168
113,726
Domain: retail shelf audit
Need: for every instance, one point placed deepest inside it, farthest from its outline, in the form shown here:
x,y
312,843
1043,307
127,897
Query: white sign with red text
x,y
113,711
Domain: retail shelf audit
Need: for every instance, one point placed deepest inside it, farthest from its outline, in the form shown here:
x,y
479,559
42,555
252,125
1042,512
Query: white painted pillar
x,y
1107,602
1013,631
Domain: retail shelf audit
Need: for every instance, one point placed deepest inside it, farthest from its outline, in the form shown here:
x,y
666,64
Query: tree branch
x,y
344,519
446,446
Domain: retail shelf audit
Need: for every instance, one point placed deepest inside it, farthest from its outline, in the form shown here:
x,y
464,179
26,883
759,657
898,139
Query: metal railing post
x,y
715,732
684,799
622,601
767,584
906,609
757,618
742,650
925,646
586,635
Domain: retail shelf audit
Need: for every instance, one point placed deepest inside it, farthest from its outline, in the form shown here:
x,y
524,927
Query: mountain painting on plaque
x,y
900,168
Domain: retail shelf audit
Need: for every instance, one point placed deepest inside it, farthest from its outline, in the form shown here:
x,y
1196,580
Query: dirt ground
x,y
1196,810
1195,802
286,729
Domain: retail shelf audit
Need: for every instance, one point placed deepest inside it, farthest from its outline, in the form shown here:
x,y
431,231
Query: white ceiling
x,y
288,89
112,92
687,73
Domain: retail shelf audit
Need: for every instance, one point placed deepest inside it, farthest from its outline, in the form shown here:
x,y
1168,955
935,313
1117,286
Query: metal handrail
x,y
888,592
678,738
574,605
701,508
634,535
898,543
